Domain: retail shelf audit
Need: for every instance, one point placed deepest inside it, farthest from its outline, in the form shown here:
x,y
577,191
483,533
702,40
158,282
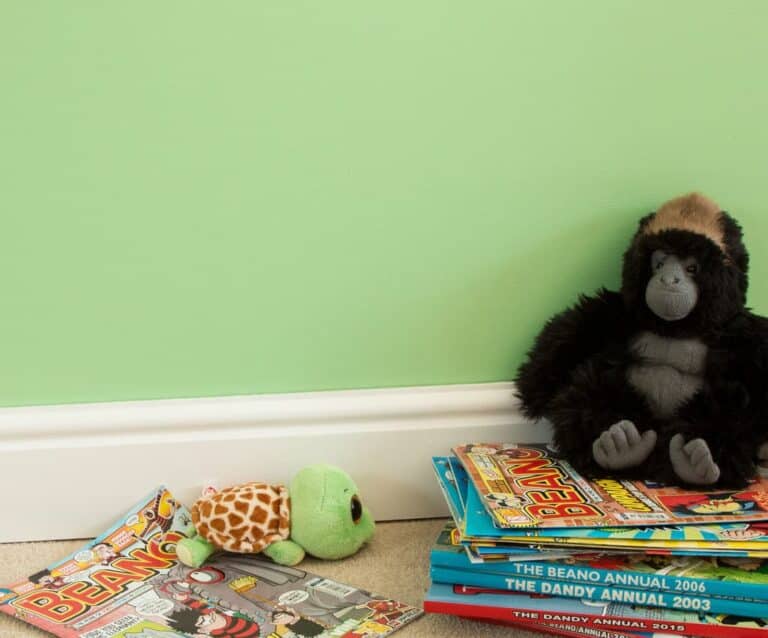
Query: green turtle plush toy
x,y
321,515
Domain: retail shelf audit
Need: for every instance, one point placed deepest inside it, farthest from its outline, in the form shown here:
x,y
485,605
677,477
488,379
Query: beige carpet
x,y
395,564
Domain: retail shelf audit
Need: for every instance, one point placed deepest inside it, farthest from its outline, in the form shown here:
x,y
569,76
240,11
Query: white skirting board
x,y
68,471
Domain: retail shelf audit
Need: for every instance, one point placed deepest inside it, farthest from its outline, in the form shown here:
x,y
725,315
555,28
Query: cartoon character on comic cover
x,y
158,515
199,619
504,501
288,621
288,595
749,532
47,579
692,504
104,553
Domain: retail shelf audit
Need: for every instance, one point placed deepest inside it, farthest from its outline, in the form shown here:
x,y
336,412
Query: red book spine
x,y
615,623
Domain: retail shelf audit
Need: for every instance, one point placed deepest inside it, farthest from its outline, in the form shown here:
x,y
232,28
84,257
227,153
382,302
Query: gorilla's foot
x,y
693,461
622,446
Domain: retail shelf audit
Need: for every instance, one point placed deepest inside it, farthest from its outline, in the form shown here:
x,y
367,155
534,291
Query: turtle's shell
x,y
245,518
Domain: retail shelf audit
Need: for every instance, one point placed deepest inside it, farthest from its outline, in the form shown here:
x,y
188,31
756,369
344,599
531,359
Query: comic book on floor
x,y
128,583
529,486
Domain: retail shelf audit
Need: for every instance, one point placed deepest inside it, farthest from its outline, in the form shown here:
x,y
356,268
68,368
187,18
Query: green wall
x,y
208,198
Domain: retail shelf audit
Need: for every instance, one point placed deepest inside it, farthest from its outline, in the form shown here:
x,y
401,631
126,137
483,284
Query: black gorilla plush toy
x,y
668,378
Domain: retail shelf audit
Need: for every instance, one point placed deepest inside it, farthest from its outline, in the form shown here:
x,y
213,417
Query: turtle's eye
x,y
356,509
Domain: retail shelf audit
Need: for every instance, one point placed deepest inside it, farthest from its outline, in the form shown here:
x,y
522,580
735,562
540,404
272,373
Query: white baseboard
x,y
68,471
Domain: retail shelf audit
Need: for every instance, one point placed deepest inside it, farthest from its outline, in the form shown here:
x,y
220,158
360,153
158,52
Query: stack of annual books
x,y
535,543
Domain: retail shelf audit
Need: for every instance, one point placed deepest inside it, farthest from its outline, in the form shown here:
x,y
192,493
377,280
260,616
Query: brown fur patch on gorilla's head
x,y
689,226
693,212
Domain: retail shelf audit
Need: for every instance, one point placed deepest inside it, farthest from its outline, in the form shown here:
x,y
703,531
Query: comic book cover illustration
x,y
486,543
494,604
481,536
449,485
528,486
128,583
723,539
479,525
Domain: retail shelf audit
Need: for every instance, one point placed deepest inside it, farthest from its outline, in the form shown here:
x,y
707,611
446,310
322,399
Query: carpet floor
x,y
395,564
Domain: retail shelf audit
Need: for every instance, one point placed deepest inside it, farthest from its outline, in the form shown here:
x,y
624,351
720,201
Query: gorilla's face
x,y
672,292
679,283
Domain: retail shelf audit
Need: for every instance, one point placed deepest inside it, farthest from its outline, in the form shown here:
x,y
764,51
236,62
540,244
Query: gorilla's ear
x,y
644,222
633,251
732,237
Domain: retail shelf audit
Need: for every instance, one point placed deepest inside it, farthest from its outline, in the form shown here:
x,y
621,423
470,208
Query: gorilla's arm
x,y
594,402
566,342
731,413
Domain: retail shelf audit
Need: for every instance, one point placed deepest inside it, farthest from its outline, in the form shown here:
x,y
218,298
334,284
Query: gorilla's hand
x,y
693,461
621,446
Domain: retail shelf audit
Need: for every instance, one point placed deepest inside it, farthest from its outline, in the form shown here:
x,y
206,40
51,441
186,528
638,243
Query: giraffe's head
x,y
328,519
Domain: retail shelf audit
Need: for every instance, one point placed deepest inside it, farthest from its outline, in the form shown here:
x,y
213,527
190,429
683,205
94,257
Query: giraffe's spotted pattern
x,y
245,518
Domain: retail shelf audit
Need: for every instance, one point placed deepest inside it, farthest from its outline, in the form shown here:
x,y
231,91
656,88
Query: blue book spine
x,y
595,592
555,570
447,485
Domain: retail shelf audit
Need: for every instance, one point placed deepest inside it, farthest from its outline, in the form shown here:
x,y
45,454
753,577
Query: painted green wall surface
x,y
212,198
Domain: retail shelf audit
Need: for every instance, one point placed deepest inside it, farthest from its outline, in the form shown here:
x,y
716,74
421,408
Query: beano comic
x,y
529,486
735,539
477,530
447,472
128,583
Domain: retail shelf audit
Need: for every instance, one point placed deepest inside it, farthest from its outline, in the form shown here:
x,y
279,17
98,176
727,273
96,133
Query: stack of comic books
x,y
535,543
128,583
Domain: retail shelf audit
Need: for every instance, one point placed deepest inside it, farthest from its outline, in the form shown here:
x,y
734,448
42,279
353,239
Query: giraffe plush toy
x,y
321,514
